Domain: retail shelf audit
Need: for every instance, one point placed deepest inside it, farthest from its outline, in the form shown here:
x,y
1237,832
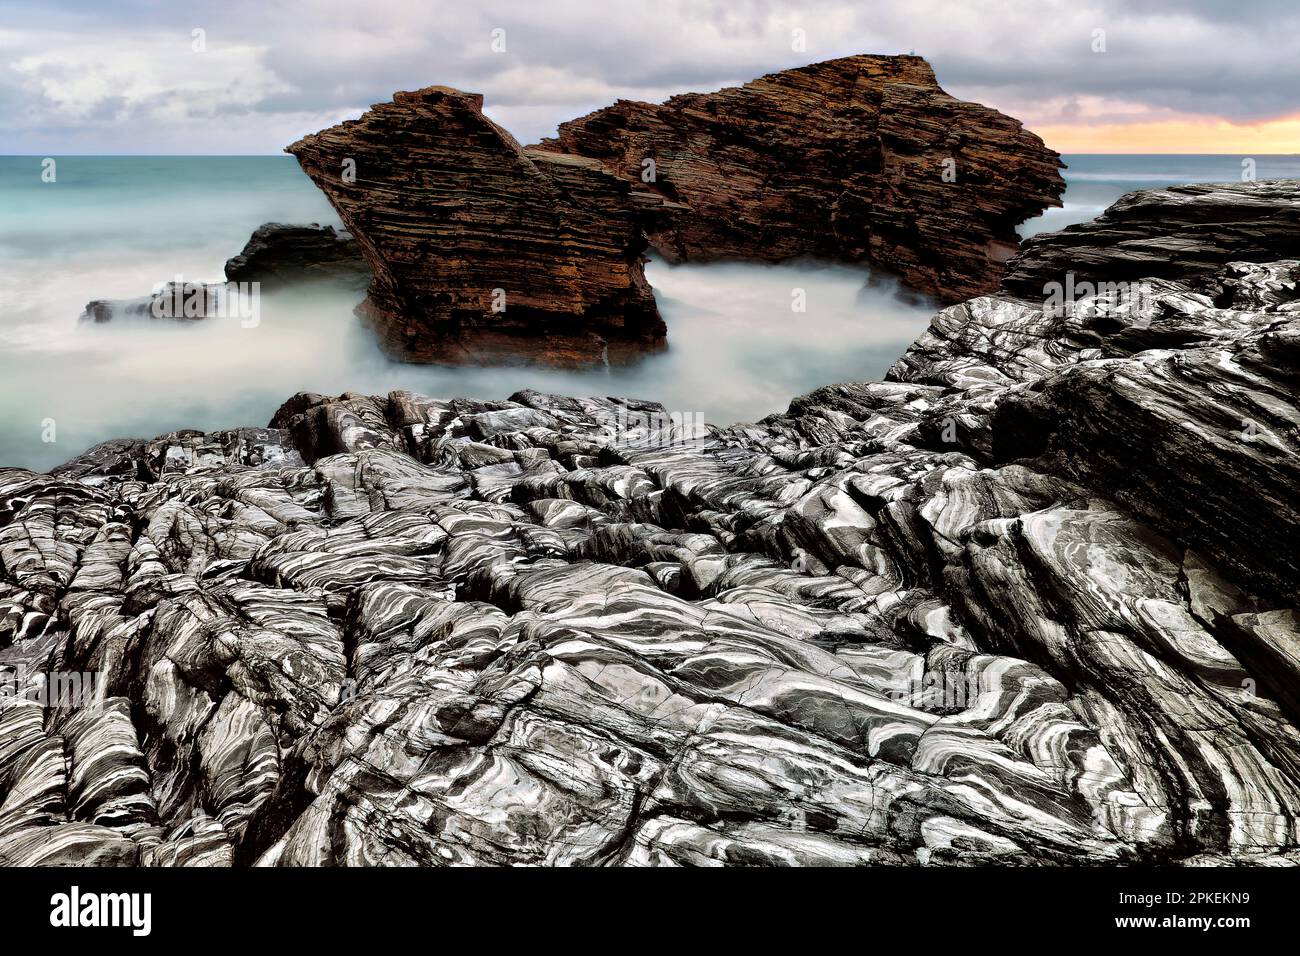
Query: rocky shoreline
x,y
1029,600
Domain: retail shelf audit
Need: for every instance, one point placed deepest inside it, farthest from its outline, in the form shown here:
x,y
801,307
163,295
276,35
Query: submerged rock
x,y
275,256
1029,600
183,301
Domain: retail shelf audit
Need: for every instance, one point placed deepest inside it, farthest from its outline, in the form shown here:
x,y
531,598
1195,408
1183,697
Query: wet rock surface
x,y
1179,231
1029,600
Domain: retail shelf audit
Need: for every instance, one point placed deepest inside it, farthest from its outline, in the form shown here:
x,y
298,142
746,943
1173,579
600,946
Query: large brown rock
x,y
480,249
483,250
842,160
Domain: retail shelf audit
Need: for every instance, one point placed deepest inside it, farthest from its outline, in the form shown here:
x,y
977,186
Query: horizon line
x,y
282,153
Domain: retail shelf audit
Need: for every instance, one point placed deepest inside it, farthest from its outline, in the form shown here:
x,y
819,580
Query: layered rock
x,y
484,251
863,159
1030,599
1180,231
278,254
481,250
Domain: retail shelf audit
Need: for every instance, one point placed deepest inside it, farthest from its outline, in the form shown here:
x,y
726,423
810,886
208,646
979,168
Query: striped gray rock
x,y
1182,231
1030,600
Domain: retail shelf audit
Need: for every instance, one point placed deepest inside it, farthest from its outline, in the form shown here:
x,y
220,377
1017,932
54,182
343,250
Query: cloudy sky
x,y
134,76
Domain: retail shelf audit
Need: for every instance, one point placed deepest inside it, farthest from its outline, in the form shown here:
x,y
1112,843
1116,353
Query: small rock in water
x,y
278,255
182,301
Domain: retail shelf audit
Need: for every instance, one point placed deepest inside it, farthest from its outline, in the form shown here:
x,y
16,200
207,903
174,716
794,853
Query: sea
x,y
114,227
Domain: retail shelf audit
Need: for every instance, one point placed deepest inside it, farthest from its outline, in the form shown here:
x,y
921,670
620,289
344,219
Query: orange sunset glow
x,y
1174,136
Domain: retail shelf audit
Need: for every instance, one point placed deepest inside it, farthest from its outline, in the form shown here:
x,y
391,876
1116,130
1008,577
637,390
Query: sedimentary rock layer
x,y
1030,600
1181,231
482,250
859,159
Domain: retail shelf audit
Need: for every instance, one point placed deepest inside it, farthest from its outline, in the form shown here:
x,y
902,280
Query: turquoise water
x,y
114,227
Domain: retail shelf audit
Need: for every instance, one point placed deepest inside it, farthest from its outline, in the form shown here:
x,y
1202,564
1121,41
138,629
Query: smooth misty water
x,y
113,227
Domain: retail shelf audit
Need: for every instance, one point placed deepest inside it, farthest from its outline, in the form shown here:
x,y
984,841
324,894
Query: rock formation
x,y
863,159
278,254
1029,600
182,301
1183,230
485,251
275,256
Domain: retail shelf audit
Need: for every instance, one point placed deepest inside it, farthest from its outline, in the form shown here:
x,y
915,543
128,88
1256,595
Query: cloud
x,y
160,77
123,78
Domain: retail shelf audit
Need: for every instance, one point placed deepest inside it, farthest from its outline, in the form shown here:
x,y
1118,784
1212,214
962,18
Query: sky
x,y
250,76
